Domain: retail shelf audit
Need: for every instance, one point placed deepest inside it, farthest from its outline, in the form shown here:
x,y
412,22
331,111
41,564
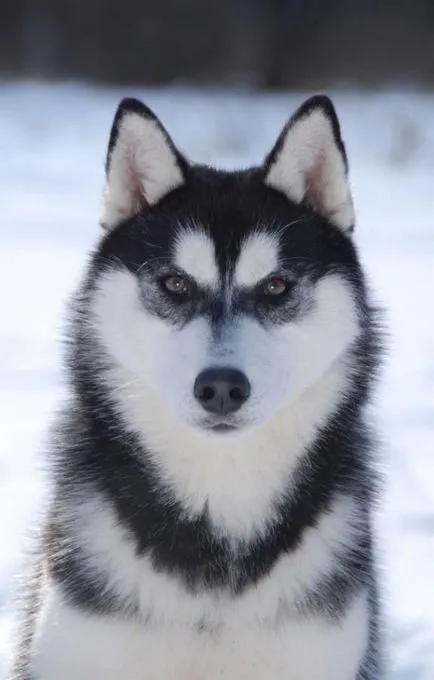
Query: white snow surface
x,y
53,141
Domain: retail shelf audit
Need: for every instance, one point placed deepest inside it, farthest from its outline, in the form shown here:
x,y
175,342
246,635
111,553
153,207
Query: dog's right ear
x,y
308,163
142,163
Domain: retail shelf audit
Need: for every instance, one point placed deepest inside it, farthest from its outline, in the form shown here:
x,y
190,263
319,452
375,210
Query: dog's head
x,y
226,295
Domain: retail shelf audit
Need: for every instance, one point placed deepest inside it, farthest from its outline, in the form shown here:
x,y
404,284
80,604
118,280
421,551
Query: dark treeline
x,y
264,43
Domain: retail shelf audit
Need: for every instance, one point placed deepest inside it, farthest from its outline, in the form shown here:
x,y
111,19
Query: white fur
x,y
258,258
142,169
72,645
310,166
298,373
195,254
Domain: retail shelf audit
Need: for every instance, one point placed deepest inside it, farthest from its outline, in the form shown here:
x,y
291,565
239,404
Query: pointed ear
x,y
308,163
142,163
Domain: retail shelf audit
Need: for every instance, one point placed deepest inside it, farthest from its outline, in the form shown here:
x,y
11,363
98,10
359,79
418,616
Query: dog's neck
x,y
240,477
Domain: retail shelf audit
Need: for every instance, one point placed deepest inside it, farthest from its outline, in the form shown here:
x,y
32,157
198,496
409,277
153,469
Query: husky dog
x,y
213,471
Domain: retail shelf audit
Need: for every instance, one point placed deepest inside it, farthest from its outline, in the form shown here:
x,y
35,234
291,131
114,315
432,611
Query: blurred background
x,y
260,43
223,77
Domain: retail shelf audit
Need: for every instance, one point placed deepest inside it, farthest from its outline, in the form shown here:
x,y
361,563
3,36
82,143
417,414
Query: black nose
x,y
221,390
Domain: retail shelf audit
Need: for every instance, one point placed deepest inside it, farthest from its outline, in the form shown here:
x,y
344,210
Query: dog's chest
x,y
177,635
73,646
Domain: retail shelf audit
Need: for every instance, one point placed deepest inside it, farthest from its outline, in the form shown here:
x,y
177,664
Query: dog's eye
x,y
275,286
176,285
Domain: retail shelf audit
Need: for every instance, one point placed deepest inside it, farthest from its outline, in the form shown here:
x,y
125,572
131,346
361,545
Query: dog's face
x,y
227,295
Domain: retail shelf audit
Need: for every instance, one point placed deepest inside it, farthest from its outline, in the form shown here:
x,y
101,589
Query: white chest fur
x,y
75,646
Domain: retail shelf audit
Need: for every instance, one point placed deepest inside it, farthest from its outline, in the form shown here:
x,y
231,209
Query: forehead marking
x,y
257,259
195,254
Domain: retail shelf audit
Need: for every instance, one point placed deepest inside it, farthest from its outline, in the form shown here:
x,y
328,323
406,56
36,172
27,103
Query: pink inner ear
x,y
314,182
134,183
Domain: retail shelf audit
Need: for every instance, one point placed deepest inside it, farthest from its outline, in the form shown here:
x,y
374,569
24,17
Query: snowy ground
x,y
52,142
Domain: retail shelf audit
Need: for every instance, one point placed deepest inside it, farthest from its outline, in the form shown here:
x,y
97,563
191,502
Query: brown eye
x,y
176,285
275,286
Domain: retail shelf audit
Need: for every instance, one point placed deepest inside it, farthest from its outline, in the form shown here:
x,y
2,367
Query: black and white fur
x,y
184,545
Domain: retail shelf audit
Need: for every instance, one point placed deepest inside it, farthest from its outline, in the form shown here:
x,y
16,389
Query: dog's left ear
x,y
142,164
308,163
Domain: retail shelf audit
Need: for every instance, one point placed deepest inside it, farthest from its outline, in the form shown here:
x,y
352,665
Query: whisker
x,y
299,220
118,388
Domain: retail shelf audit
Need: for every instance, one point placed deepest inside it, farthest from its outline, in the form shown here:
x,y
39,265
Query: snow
x,y
52,141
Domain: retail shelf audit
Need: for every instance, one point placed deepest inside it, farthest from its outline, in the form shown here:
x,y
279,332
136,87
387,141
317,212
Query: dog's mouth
x,y
220,427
